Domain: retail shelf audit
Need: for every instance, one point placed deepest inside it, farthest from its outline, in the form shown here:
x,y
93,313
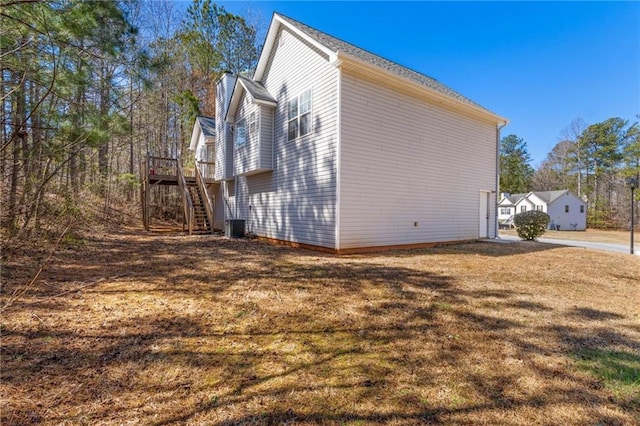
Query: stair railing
x,y
204,194
187,203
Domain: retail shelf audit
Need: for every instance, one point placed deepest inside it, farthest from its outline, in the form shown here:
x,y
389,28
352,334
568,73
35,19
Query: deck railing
x,y
207,169
187,203
162,166
204,193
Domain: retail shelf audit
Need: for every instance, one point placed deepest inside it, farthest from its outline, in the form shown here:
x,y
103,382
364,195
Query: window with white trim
x,y
505,211
523,209
299,115
241,133
253,123
539,208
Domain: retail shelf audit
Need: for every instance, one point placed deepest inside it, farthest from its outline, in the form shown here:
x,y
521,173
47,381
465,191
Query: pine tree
x,y
515,171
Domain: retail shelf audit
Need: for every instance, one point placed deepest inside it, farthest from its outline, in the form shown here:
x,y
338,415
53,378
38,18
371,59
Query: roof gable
x,y
205,126
257,92
338,51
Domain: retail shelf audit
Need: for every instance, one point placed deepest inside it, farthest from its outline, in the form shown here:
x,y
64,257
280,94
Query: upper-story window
x,y
566,208
523,209
241,133
299,115
253,123
539,208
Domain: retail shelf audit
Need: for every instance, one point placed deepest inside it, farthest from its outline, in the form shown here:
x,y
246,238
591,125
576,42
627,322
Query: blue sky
x,y
540,64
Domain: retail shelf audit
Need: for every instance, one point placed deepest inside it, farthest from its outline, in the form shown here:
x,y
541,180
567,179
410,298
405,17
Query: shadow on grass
x,y
364,330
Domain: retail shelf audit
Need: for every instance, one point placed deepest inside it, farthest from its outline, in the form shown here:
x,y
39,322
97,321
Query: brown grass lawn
x,y
590,235
161,329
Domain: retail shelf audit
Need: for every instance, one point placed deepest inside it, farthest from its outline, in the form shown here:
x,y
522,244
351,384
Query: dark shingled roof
x,y
208,125
549,196
256,90
546,196
338,45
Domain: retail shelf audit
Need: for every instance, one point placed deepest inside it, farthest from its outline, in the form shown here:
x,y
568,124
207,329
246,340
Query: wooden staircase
x,y
201,224
196,202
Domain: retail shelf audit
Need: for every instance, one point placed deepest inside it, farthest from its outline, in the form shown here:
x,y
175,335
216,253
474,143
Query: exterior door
x,y
484,214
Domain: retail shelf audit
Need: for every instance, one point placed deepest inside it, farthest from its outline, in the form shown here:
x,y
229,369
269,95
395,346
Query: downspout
x,y
498,128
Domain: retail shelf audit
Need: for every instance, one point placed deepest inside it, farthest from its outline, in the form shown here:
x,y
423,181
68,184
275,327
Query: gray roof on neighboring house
x,y
513,198
256,90
208,125
338,45
550,196
547,196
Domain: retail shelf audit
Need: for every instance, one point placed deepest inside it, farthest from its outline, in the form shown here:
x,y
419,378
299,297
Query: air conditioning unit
x,y
234,228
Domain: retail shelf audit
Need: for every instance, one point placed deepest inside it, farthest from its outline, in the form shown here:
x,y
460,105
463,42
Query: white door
x,y
484,214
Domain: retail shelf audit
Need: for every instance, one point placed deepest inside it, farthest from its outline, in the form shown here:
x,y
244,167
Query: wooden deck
x,y
192,183
164,171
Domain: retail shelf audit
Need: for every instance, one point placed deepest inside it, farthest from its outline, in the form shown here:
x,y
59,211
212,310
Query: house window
x,y
523,209
241,133
539,208
505,211
566,208
581,209
253,123
299,115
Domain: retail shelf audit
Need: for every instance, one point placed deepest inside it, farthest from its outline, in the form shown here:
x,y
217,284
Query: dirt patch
x,y
171,329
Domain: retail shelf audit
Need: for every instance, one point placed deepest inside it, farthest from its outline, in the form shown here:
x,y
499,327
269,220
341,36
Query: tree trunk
x,y
103,151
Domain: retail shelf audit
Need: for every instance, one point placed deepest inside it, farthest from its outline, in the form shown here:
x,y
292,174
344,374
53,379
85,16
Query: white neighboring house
x,y
567,211
333,147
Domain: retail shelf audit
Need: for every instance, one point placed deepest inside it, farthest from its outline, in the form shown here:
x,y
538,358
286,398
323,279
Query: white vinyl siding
x,y
574,219
224,140
296,201
265,119
215,192
406,162
255,154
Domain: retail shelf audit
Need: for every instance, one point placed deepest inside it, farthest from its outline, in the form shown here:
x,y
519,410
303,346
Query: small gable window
x,y
299,115
539,208
523,209
241,133
566,208
581,209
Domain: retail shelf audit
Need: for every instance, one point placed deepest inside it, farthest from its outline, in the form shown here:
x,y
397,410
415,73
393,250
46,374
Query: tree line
x,y
592,161
88,88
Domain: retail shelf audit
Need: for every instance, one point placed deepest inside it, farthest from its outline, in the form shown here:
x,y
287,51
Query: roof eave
x,y
342,57
195,135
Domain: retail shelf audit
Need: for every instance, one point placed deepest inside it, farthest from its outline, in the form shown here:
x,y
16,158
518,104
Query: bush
x,y
530,225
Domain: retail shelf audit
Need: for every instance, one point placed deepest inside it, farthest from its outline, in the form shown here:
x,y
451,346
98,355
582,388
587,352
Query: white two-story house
x,y
567,211
330,146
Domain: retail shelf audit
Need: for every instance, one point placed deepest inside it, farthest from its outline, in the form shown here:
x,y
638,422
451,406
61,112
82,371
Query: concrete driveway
x,y
617,248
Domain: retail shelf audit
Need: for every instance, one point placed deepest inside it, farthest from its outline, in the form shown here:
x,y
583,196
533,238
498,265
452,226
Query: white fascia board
x,y
276,22
263,102
195,135
341,57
